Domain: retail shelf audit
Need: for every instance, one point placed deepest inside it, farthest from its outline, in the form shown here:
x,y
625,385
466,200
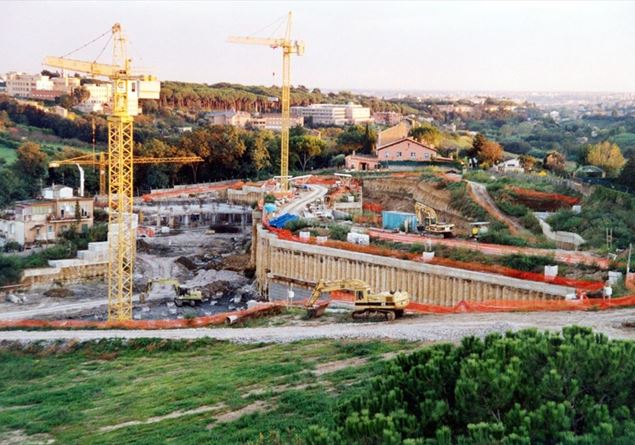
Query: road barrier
x,y
260,310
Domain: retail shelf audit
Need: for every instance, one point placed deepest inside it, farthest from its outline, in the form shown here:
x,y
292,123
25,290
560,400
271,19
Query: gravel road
x,y
428,328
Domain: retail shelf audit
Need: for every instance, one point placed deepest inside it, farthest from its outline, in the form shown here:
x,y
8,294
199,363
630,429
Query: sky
x,y
357,45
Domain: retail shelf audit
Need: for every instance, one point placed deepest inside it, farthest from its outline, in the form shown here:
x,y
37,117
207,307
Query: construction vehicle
x,y
368,305
127,89
183,295
428,221
288,47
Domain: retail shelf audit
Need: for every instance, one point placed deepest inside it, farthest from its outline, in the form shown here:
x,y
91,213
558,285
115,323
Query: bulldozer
x,y
428,221
368,305
183,296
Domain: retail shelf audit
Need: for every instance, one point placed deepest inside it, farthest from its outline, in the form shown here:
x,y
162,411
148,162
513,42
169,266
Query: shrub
x,y
338,232
269,198
12,246
527,263
520,388
296,225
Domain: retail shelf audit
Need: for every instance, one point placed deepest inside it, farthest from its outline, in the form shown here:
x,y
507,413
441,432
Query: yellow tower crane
x,y
101,160
127,88
288,47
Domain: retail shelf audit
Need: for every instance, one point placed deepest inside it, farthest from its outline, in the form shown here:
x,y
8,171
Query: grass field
x,y
179,392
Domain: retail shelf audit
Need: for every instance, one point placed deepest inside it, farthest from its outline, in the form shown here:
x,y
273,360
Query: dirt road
x,y
428,328
479,193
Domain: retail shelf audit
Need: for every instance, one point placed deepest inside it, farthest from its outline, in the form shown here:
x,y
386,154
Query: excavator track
x,y
374,315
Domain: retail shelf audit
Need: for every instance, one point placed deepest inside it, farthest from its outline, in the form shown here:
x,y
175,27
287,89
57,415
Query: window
x,y
84,228
398,154
426,156
50,229
386,155
413,155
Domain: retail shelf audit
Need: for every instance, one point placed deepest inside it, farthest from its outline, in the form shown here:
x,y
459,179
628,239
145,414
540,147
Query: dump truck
x,y
428,221
368,305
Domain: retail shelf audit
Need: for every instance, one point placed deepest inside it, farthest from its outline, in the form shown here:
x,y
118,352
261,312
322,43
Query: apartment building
x,y
21,84
333,114
100,96
44,220
273,121
228,117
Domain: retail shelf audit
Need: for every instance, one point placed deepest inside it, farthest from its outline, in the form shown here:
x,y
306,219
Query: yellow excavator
x,y
384,305
428,221
183,296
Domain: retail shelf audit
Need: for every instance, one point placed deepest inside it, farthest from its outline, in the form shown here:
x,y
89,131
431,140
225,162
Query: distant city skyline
x,y
389,46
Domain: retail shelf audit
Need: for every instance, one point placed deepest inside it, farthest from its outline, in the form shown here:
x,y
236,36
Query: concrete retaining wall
x,y
426,283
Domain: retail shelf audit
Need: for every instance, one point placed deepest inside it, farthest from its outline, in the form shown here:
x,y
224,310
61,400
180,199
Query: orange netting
x,y
580,285
372,219
544,196
372,207
322,180
197,322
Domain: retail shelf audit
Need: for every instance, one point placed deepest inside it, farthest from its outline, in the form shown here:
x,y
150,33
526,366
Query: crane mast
x,y
122,221
289,47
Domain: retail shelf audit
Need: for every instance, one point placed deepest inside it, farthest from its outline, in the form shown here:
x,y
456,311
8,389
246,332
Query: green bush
x,y
512,208
527,263
269,198
338,232
297,225
522,388
12,246
502,236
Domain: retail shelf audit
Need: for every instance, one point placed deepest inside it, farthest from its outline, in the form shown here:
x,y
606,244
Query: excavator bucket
x,y
317,310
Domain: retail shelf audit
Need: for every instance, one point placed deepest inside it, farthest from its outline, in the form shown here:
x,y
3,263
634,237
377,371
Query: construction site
x,y
336,280
354,240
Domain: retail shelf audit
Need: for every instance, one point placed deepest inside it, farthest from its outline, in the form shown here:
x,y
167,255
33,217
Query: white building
x,y
21,84
321,114
100,95
356,114
333,114
228,117
273,121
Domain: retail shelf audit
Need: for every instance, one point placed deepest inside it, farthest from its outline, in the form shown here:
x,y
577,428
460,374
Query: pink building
x,y
406,149
361,162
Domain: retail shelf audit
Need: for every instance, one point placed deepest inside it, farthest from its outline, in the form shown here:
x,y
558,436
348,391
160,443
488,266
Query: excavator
x,y
183,296
384,305
428,222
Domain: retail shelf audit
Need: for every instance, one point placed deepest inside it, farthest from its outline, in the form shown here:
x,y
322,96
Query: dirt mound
x,y
186,262
237,263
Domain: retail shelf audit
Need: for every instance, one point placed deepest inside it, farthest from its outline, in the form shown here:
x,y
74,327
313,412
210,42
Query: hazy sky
x,y
547,46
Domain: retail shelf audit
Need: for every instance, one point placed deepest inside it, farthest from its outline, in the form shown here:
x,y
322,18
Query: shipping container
x,y
399,220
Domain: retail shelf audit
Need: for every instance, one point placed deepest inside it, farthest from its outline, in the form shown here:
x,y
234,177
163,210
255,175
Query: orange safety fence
x,y
544,196
197,322
322,180
466,306
580,285
372,207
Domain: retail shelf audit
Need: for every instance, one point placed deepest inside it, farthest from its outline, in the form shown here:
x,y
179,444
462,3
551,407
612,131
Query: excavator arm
x,y
425,215
330,286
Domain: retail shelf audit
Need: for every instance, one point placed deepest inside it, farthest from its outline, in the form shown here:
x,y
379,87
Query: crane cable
x,y
89,43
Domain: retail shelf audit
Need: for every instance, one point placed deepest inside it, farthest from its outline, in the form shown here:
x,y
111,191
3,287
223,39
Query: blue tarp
x,y
270,207
282,220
